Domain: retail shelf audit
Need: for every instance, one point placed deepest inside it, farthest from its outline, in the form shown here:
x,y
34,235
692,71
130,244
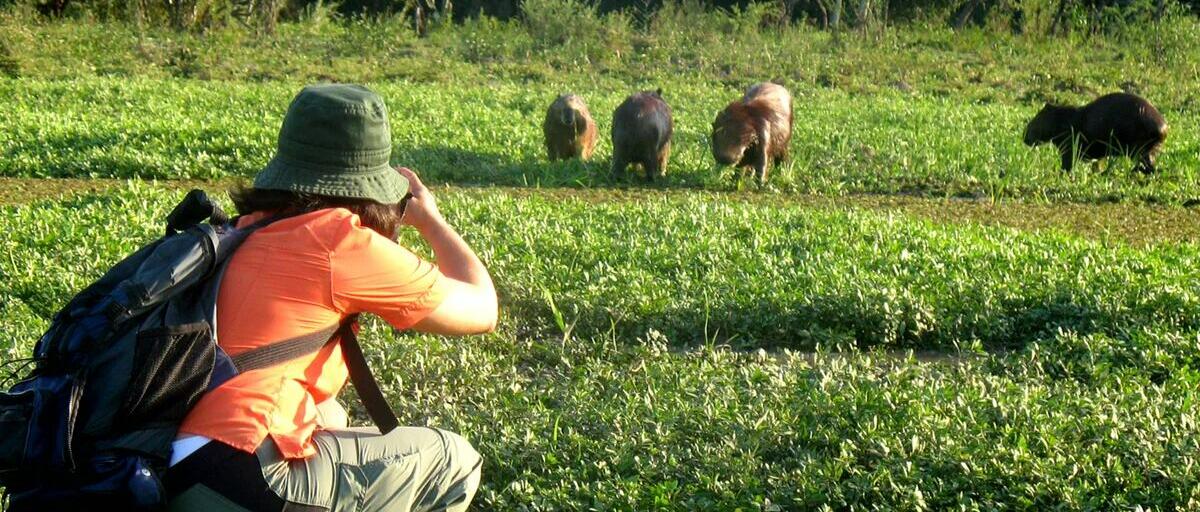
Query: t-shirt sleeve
x,y
375,275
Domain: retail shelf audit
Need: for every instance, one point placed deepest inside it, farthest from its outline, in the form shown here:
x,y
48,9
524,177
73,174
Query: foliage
x,y
9,67
596,419
699,270
575,27
646,358
488,134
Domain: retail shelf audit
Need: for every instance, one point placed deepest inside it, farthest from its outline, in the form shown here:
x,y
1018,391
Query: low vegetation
x,y
697,345
612,383
490,135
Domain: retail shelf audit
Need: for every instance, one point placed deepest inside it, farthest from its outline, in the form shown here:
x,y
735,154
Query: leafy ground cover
x,y
1136,224
692,346
736,273
561,41
843,143
1092,409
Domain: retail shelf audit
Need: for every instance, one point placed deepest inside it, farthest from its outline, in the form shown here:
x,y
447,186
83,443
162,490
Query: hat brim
x,y
381,184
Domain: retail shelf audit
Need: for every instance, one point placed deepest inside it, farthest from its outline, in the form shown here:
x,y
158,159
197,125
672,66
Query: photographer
x,y
275,439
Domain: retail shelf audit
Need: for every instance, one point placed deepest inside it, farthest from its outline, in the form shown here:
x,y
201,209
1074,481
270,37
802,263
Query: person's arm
x,y
470,306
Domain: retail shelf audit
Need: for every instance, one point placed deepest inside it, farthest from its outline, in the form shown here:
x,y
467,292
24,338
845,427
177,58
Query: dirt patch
x,y
1134,223
27,190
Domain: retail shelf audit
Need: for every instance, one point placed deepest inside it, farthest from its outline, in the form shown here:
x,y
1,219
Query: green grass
x,y
561,43
1095,409
697,271
490,134
687,347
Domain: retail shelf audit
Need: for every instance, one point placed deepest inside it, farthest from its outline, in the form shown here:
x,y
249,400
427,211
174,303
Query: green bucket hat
x,y
335,141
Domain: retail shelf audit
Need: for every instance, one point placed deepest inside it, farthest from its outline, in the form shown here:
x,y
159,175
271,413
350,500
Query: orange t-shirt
x,y
296,276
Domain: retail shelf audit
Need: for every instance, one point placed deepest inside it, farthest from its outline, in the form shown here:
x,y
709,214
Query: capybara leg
x,y
760,172
1068,161
651,166
619,163
1146,164
661,161
758,158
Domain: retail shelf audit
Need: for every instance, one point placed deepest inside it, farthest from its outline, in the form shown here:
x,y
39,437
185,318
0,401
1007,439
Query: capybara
x,y
1117,123
641,134
569,129
755,130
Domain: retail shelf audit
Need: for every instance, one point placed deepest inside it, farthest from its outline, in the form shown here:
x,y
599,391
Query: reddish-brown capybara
x,y
641,134
1113,124
755,130
569,129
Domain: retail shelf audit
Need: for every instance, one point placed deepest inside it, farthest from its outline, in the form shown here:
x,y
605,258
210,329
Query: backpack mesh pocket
x,y
171,369
16,416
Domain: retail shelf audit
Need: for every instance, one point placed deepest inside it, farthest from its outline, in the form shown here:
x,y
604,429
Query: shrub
x,y
574,28
8,63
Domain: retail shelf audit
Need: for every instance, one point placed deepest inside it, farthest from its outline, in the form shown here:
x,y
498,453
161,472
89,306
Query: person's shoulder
x,y
339,227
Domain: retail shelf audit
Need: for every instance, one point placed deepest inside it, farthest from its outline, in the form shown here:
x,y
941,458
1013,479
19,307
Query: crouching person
x,y
264,440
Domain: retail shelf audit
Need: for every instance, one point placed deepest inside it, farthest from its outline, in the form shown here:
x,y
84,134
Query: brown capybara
x,y
1113,124
755,130
569,129
641,134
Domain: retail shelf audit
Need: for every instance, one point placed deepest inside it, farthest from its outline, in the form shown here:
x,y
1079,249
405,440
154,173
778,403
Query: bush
x,y
574,28
8,63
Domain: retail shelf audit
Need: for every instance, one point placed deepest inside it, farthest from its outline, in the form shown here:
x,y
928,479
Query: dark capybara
x,y
569,129
755,130
1113,124
641,134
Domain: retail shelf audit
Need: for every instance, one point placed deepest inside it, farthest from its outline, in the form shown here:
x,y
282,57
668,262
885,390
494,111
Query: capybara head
x,y
567,107
1050,122
732,133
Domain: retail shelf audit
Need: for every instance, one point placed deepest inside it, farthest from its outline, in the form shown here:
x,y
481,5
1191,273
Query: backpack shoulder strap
x,y
283,351
364,381
361,377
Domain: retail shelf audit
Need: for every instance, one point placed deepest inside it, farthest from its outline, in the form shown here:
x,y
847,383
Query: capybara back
x,y
754,131
1113,124
641,134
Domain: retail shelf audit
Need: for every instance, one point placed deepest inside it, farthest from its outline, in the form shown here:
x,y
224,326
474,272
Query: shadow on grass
x,y
830,321
159,154
444,165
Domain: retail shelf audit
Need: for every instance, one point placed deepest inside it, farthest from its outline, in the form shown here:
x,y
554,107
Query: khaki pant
x,y
358,469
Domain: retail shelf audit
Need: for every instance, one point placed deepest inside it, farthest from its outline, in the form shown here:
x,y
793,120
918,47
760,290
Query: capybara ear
x,y
658,92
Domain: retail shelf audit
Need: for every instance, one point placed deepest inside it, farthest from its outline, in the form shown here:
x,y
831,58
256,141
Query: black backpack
x,y
91,426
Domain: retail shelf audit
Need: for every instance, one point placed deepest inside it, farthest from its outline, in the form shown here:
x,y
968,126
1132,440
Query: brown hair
x,y
736,127
383,218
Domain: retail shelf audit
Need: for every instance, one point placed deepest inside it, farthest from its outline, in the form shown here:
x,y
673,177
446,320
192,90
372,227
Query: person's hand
x,y
421,212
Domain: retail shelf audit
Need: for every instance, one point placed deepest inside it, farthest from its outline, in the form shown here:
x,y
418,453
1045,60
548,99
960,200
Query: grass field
x,y
490,135
919,313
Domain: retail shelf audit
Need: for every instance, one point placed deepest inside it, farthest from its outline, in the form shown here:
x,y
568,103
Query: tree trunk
x,y
789,8
419,18
835,17
1016,23
182,12
1060,18
862,13
269,15
964,13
